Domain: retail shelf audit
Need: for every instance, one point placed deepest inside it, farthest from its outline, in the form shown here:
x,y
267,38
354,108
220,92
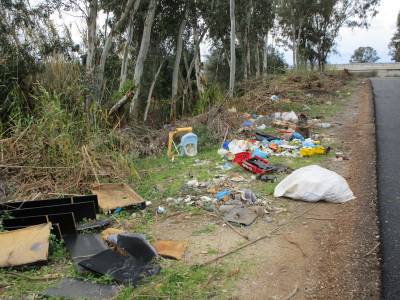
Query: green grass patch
x,y
209,228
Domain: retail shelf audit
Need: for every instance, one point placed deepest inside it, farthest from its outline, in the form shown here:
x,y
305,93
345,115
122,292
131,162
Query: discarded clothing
x,y
240,215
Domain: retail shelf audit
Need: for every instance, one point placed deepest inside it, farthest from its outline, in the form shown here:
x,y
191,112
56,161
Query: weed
x,y
177,281
57,249
211,96
209,228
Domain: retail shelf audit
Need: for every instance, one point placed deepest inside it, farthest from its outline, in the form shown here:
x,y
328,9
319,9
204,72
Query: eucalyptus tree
x,y
329,16
394,45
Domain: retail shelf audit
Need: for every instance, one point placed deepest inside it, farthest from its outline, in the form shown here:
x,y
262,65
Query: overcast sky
x,y
377,36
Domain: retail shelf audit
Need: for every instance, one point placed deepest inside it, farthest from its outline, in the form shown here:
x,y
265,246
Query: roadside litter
x,y
292,139
128,260
314,183
187,145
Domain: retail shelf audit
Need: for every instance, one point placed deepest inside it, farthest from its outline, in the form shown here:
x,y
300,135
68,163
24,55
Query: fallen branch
x,y
256,240
292,294
32,167
228,224
321,219
373,249
85,151
296,244
121,102
236,230
47,277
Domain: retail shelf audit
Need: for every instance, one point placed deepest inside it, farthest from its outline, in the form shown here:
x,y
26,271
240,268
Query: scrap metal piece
x,y
68,288
84,210
123,269
24,246
50,202
83,246
136,246
65,221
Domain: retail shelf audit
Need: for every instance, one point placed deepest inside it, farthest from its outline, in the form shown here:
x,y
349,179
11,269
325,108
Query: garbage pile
x,y
126,257
292,139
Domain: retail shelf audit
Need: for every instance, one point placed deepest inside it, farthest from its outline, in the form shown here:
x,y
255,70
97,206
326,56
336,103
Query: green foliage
x,y
394,45
206,139
57,249
179,281
211,96
364,55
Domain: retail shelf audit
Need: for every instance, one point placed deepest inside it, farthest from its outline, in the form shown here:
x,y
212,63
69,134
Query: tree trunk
x,y
248,55
144,48
108,43
197,60
298,45
265,54
257,58
233,50
91,22
91,36
294,47
243,46
125,55
175,73
150,95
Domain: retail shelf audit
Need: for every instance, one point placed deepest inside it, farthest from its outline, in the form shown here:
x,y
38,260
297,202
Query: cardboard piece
x,y
25,246
170,249
68,288
116,195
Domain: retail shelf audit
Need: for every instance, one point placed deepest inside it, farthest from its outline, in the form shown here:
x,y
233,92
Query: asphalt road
x,y
387,114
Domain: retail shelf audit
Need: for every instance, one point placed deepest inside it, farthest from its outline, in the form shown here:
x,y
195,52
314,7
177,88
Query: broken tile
x,y
170,249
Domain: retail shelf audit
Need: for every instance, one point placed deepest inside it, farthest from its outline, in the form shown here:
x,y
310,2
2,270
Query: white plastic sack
x,y
285,116
237,146
312,184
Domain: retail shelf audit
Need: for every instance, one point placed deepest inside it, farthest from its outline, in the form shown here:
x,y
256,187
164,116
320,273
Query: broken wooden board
x,y
116,195
170,249
24,246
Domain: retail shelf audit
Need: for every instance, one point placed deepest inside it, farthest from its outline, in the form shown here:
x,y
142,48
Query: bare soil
x,y
321,251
